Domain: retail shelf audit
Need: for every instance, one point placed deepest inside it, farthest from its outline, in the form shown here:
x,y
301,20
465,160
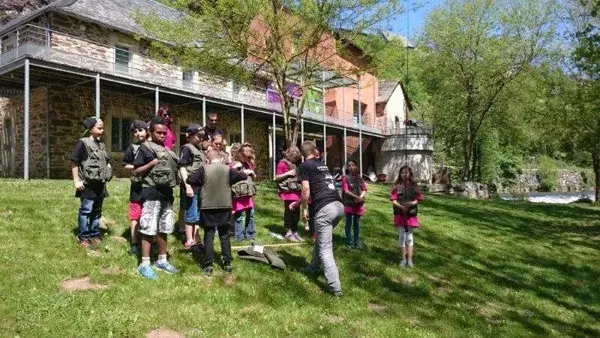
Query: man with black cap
x,y
139,131
191,158
91,170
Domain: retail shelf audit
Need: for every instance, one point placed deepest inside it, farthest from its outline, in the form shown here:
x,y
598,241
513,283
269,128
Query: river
x,y
553,197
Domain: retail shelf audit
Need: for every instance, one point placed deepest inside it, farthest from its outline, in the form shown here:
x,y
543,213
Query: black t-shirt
x,y
91,190
211,133
322,188
135,191
186,158
145,156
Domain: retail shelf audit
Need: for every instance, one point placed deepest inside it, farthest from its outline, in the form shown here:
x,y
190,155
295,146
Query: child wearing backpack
x,y
139,129
158,167
243,192
289,191
91,170
191,159
354,190
405,196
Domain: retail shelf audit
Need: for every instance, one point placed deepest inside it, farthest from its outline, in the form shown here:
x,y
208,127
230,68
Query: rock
x,y
471,190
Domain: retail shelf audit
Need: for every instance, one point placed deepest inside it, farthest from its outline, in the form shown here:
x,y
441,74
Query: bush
x,y
548,173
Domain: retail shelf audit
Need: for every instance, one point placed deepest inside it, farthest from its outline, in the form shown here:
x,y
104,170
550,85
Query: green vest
x,y
136,178
290,183
198,158
95,169
215,193
354,185
164,173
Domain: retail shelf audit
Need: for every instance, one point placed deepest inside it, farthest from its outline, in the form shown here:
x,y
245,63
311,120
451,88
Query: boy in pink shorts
x,y
139,131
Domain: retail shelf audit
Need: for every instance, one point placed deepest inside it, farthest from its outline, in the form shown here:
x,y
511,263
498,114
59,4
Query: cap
x,y
90,122
193,129
138,124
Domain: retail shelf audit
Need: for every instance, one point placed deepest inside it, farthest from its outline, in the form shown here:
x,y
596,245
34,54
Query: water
x,y
553,197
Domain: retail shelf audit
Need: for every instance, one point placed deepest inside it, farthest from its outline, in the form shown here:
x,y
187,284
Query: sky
x,y
417,13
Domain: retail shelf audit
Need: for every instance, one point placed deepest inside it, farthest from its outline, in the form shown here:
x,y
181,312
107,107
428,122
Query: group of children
x,y
216,193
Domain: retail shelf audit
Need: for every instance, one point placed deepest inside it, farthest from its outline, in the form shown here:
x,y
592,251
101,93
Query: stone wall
x,y
12,109
568,181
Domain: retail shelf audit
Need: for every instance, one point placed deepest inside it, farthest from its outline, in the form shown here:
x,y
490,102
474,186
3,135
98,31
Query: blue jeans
x,y
247,231
89,218
190,206
352,221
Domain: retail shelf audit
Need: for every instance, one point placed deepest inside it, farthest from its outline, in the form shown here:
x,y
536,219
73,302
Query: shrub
x,y
548,173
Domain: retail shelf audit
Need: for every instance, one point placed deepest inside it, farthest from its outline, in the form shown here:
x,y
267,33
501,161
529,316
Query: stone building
x,y
77,58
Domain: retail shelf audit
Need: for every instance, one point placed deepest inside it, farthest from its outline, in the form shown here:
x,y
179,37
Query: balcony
x,y
121,61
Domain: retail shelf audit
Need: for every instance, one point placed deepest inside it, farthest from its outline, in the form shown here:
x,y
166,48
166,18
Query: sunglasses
x,y
212,120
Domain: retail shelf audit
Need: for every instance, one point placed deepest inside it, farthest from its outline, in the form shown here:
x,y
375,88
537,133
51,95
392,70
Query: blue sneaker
x,y
147,272
166,267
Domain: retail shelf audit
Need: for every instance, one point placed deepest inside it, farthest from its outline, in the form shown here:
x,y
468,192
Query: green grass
x,y
483,268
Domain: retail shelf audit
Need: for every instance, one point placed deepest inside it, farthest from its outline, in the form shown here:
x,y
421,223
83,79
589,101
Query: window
x,y
363,107
8,43
122,58
187,79
233,138
120,134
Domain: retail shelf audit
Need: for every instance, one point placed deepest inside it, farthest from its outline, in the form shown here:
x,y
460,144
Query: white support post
x,y
242,124
301,130
203,111
26,124
97,105
156,100
345,148
274,137
360,157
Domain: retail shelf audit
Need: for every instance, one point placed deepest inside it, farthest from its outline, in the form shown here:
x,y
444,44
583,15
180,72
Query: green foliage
x,y
548,173
285,41
483,268
473,52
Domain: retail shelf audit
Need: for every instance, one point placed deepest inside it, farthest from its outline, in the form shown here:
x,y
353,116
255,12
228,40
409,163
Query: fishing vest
x,y
290,183
215,193
407,194
136,178
95,169
164,173
355,187
198,158
243,188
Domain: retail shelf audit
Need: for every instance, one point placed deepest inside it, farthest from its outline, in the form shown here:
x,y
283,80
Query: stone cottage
x,y
77,58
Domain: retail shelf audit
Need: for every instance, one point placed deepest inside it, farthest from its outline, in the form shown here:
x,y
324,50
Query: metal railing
x,y
121,60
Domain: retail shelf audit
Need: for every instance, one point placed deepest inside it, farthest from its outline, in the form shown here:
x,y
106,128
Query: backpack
x,y
164,173
290,183
355,186
95,168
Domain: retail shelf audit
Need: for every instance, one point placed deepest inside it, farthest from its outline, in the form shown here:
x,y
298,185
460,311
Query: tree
x,y
286,41
473,50
586,19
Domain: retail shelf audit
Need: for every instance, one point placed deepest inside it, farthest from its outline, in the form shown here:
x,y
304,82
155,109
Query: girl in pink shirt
x,y
405,196
354,190
243,207
289,191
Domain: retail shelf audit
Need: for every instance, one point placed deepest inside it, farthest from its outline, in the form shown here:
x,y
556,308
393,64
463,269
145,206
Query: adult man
x,y
326,209
211,129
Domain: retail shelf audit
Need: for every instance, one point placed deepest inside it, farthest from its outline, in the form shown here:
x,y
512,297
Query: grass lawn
x,y
488,268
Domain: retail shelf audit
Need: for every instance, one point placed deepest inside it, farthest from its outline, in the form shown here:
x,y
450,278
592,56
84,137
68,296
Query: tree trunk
x,y
596,164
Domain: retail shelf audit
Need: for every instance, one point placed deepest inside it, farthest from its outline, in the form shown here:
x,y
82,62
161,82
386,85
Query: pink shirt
x,y
401,220
358,209
282,168
170,139
243,203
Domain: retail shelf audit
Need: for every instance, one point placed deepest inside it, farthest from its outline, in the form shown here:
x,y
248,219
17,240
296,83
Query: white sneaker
x,y
403,262
410,264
